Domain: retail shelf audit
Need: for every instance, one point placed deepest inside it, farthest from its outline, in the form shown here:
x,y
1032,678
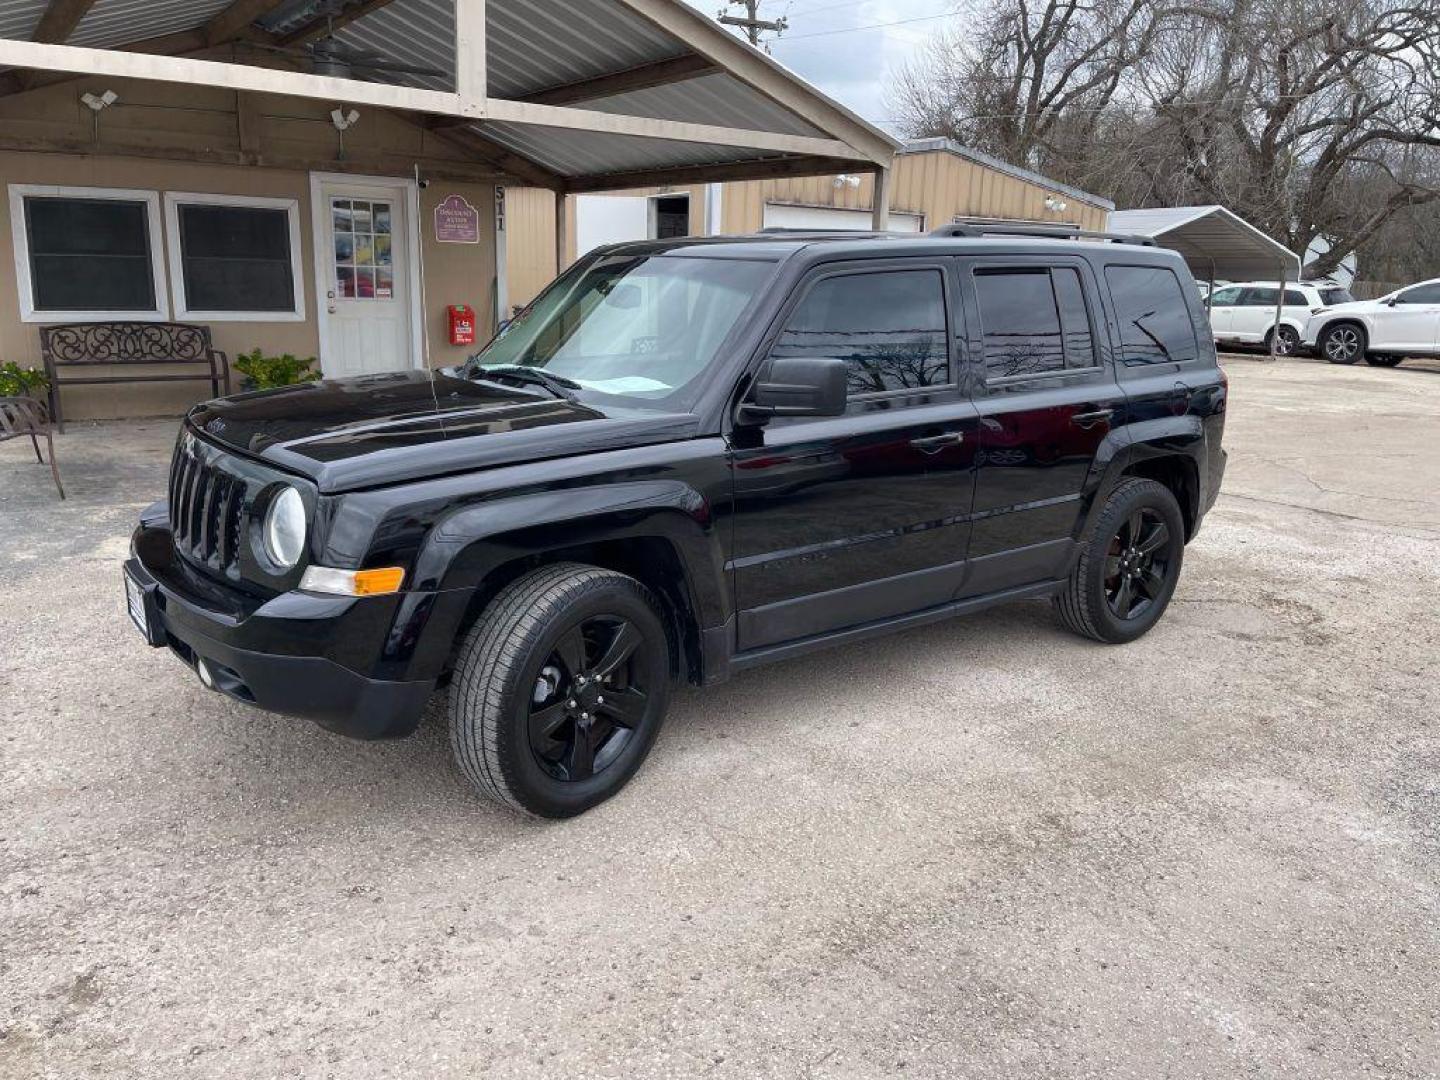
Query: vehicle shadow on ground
x,y
411,780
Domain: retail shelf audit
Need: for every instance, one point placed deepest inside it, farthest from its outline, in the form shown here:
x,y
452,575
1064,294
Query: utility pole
x,y
751,22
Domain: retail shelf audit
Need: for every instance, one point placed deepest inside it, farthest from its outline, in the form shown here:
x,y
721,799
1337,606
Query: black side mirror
x,y
799,386
1392,301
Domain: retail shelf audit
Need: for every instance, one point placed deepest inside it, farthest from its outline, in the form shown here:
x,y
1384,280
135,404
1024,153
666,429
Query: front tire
x,y
560,690
1126,574
1342,344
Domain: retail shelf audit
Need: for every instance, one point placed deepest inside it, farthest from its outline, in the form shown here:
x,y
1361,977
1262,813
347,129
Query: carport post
x,y
880,221
562,234
1279,310
1210,292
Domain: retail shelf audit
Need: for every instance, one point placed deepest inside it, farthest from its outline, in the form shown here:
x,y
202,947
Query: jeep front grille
x,y
207,507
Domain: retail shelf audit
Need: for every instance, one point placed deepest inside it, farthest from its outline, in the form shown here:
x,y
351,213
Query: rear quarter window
x,y
1155,321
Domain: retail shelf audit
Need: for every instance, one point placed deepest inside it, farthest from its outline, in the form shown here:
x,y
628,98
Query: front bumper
x,y
297,653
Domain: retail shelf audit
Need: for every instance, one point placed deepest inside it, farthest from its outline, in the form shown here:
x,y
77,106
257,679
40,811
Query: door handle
x,y
933,444
1090,419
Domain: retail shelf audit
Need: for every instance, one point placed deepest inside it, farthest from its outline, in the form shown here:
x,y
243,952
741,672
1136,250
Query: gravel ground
x,y
981,849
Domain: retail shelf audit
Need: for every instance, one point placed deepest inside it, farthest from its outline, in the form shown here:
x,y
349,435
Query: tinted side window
x,y
1155,326
1294,298
1033,321
1259,298
1336,296
1020,321
888,327
1425,294
1074,317
1226,297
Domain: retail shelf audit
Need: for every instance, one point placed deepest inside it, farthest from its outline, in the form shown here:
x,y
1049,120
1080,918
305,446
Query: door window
x,y
1033,320
888,327
1155,325
1226,297
1421,294
364,258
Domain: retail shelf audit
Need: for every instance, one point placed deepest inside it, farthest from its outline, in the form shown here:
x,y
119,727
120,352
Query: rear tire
x,y
1383,360
1342,344
1286,343
560,690
1126,574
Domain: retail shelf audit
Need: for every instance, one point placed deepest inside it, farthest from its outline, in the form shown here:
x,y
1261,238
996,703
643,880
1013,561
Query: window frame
x,y
176,262
990,264
20,235
900,265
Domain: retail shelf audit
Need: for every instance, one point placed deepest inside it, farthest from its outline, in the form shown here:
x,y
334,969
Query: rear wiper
x,y
558,385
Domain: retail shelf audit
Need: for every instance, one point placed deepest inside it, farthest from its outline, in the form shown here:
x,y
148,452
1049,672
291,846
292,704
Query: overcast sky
x,y
850,55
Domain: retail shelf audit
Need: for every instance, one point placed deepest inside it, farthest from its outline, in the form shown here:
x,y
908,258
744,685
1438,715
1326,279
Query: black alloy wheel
x,y
1137,569
1343,344
560,689
1128,566
589,699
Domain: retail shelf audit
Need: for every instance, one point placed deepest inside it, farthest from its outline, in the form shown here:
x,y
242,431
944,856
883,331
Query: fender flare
x,y
1180,437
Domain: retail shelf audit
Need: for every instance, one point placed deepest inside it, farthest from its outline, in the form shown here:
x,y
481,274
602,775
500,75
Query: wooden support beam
x,y
247,123
360,163
645,127
60,20
230,22
319,28
880,206
660,73
762,169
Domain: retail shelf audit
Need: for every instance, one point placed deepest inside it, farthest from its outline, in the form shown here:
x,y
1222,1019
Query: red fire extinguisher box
x,y
462,324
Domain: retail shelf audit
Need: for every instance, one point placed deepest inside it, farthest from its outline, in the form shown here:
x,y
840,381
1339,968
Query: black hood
x,y
383,429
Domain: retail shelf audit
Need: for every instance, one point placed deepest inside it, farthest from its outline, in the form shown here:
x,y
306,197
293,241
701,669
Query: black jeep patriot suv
x,y
684,459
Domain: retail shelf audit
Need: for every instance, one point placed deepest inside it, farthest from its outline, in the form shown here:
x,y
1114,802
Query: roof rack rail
x,y
1039,230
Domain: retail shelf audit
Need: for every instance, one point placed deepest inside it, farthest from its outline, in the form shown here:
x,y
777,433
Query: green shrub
x,y
16,381
266,372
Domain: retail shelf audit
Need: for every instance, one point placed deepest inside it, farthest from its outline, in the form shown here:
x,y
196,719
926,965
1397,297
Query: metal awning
x,y
1217,244
574,96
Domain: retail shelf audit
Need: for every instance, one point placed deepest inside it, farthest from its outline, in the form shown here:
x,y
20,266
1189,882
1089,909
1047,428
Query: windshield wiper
x,y
558,385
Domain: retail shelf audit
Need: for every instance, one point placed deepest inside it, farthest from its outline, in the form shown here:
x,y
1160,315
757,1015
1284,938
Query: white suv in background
x,y
1385,331
1243,313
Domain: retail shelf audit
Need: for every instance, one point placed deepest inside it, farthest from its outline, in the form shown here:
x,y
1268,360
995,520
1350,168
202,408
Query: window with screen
x,y
888,327
236,259
1033,320
1155,323
90,254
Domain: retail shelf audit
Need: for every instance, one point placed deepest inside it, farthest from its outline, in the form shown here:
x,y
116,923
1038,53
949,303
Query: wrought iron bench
x,y
21,416
117,344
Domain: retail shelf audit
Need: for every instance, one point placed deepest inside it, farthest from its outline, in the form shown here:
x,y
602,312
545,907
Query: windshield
x,y
636,327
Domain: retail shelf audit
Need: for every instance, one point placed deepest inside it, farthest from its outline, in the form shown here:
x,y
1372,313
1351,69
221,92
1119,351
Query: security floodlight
x,y
342,120
100,102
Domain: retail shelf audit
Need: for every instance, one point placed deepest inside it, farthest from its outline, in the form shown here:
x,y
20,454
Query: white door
x,y
839,219
1411,321
363,244
1222,310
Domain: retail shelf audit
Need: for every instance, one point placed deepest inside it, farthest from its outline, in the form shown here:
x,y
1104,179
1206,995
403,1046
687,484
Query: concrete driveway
x,y
982,849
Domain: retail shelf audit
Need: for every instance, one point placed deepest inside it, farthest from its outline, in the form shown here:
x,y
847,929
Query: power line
x,y
872,26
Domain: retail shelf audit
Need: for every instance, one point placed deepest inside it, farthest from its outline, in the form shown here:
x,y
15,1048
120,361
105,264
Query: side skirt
x,y
718,667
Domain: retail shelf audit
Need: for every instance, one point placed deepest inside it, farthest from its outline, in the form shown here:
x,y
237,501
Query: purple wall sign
x,y
456,221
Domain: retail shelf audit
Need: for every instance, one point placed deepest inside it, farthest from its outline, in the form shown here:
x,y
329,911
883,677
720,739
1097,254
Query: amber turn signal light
x,y
378,582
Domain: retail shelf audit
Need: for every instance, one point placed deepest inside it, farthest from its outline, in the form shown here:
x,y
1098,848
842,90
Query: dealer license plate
x,y
135,602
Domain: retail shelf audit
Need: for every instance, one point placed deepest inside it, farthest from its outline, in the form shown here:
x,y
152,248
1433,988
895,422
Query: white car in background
x,y
1384,331
1243,313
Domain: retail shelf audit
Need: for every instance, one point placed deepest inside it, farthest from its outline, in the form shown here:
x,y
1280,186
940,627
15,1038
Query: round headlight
x,y
285,529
